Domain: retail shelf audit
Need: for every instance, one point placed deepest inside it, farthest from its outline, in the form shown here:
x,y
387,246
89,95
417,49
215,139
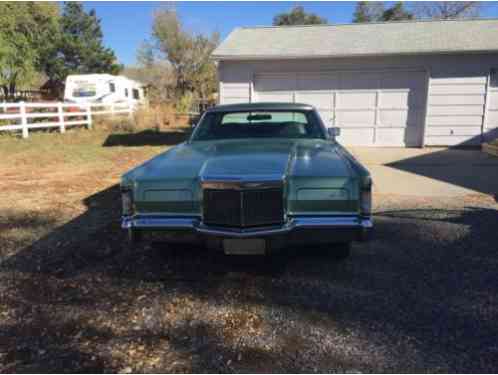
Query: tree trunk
x,y
12,90
5,90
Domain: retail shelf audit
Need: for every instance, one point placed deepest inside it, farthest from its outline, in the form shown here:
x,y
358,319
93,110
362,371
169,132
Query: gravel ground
x,y
421,297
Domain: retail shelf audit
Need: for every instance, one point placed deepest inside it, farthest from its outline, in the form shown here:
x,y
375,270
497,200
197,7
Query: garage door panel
x,y
452,140
454,120
456,99
401,99
358,100
391,136
236,90
459,80
394,99
355,118
393,117
461,89
356,137
457,110
452,130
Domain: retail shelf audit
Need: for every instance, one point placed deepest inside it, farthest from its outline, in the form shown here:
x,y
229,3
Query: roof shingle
x,y
390,38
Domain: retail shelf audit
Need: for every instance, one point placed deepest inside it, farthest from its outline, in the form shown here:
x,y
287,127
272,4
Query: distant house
x,y
52,90
384,84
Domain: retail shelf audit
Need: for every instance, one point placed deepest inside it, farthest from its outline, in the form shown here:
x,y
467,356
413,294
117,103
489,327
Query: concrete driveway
x,y
430,171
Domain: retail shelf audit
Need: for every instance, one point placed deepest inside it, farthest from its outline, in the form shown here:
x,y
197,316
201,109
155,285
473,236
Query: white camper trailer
x,y
103,88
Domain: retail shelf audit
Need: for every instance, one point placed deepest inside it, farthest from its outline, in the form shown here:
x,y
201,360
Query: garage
x,y
383,108
398,84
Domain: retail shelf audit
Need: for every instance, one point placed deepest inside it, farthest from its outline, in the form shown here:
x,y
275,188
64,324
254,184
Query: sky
x,y
126,24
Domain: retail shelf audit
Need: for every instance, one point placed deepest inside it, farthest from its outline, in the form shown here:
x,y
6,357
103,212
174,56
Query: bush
x,y
114,125
157,117
184,104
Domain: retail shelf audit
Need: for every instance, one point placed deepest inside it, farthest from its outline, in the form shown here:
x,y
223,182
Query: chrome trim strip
x,y
243,233
241,183
195,224
148,222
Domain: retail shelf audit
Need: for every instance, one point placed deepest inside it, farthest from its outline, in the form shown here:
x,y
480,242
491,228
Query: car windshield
x,y
258,124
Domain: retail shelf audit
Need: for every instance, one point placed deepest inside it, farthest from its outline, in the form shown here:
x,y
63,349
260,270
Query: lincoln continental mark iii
x,y
252,179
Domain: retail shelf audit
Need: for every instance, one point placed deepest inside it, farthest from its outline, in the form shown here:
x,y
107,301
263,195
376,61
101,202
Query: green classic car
x,y
252,178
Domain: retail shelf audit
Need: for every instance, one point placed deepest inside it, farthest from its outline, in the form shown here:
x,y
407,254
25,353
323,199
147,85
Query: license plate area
x,y
249,246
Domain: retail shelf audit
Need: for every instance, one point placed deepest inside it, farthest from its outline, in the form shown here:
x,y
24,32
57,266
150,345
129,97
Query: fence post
x,y
60,111
89,116
24,119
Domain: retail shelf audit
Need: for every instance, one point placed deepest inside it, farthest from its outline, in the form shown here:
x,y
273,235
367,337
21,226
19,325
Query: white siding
x,y
235,85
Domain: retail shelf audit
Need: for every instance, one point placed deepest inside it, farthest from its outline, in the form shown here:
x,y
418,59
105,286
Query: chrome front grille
x,y
243,208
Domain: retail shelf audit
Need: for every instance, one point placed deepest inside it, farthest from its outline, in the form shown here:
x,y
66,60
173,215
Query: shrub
x,y
114,125
156,116
184,104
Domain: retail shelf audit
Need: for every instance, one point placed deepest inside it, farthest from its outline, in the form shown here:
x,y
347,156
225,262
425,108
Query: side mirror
x,y
334,132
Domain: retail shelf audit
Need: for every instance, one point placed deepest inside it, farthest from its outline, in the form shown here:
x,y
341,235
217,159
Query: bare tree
x,y
188,54
447,9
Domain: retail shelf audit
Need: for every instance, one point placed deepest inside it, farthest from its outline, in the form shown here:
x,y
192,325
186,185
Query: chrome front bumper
x,y
354,227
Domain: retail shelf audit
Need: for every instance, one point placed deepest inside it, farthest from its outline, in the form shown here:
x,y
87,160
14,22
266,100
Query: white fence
x,y
26,116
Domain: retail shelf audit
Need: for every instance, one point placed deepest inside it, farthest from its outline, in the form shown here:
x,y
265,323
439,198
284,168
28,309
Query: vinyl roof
x,y
263,106
362,39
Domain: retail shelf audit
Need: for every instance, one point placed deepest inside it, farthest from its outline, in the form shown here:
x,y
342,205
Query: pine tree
x,y
368,11
80,47
297,16
397,13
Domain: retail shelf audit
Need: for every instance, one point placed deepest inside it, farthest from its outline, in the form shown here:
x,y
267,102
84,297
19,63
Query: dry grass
x,y
159,117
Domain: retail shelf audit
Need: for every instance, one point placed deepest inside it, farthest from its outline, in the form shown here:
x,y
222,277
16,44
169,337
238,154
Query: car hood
x,y
278,158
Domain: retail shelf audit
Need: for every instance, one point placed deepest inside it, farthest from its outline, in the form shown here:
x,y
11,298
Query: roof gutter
x,y
310,57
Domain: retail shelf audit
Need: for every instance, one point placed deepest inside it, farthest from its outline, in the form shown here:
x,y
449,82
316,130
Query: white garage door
x,y
371,108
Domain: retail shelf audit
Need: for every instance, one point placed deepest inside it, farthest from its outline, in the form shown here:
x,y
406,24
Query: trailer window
x,y
126,92
84,89
112,87
136,94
